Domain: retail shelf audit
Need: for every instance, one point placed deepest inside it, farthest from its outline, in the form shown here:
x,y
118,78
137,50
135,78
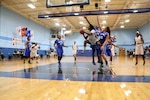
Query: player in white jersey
x,y
33,54
139,49
74,48
91,37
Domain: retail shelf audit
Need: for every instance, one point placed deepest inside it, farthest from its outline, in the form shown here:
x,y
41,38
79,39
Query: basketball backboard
x,y
61,3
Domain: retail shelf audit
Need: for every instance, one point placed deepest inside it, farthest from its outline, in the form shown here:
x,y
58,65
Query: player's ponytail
x,y
108,30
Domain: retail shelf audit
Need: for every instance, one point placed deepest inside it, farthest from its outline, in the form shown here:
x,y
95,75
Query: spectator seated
x,y
1,56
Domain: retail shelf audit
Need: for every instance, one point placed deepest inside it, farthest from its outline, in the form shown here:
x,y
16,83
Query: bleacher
x,y
15,53
131,53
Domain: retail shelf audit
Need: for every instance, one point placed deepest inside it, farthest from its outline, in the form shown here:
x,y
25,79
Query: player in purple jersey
x,y
59,44
104,37
27,51
109,47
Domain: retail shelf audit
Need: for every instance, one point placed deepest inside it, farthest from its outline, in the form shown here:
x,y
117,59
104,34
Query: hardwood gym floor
x,y
74,81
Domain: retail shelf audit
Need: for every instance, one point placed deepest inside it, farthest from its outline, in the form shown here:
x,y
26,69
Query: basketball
x,y
81,32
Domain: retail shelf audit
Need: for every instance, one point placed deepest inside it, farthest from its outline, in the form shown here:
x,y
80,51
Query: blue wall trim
x,y
10,39
5,38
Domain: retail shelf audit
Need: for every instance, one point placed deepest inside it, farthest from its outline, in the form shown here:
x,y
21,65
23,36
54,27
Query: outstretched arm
x,y
110,41
88,21
99,25
64,45
116,46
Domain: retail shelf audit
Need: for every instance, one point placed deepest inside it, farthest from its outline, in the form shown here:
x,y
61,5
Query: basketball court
x,y
80,79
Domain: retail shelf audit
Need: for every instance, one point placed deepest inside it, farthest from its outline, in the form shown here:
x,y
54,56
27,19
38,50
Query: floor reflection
x,y
104,74
77,72
60,74
140,74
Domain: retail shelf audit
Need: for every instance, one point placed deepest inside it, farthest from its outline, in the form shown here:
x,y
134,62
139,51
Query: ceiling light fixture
x,y
33,0
135,11
46,16
84,27
127,20
76,98
104,22
105,12
81,22
31,6
76,14
107,0
57,24
103,27
63,28
122,26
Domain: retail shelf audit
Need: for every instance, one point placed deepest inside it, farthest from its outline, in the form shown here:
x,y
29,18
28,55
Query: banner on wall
x,y
24,32
21,31
16,42
18,30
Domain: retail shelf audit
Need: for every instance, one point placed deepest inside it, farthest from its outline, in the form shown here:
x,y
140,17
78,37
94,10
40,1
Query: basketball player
x,y
92,39
139,49
74,48
95,48
59,44
104,38
27,50
109,48
33,54
91,35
